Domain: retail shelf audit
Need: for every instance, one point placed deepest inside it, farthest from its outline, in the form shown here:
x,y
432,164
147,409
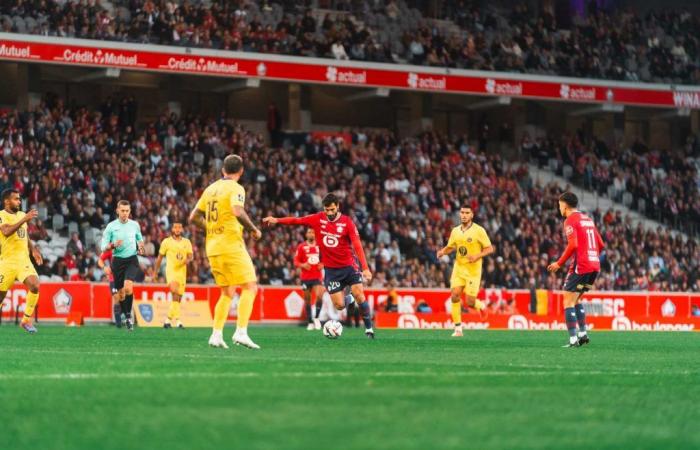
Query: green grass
x,y
101,388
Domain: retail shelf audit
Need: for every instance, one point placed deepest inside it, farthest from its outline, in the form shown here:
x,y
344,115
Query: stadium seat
x,y
57,222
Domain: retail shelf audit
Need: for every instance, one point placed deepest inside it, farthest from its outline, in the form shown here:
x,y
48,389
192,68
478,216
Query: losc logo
x,y
621,324
332,74
517,322
564,91
412,80
62,301
146,310
261,69
408,321
490,86
668,308
294,304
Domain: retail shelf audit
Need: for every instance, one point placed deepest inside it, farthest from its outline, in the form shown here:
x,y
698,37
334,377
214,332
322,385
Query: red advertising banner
x,y
532,322
56,300
282,304
77,52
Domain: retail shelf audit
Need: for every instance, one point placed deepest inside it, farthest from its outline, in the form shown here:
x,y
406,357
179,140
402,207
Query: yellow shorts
x,y
233,269
177,277
462,278
15,270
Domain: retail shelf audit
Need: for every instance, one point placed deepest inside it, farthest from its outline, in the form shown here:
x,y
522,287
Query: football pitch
x,y
102,388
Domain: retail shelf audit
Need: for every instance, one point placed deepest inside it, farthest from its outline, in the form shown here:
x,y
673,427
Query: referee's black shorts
x,y
125,269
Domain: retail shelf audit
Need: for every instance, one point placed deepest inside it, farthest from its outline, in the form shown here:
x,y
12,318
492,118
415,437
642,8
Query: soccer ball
x,y
332,329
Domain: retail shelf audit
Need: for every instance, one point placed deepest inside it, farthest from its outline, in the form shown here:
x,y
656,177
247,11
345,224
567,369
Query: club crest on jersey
x,y
469,239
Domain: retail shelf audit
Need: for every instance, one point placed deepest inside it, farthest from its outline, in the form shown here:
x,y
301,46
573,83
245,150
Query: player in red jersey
x,y
308,259
584,243
340,249
105,263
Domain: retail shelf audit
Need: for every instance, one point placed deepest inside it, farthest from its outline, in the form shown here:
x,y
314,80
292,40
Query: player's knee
x,y
128,287
252,287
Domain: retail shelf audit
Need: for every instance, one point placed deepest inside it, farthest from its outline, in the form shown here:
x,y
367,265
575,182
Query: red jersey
x,y
106,257
584,242
309,254
339,240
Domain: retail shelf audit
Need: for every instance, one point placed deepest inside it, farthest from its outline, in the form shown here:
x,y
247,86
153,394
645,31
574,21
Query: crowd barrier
x,y
412,308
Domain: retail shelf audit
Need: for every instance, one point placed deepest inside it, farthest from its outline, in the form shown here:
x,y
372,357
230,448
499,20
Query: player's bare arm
x,y
445,251
36,254
8,230
156,268
197,219
248,224
269,220
485,252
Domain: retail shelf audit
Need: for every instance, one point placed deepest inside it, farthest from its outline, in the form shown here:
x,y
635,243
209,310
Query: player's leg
x,y
245,309
32,284
456,306
116,304
174,310
318,292
307,289
128,303
359,293
572,292
7,279
471,290
580,312
223,305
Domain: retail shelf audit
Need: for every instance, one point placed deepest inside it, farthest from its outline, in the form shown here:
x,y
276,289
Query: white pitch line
x,y
398,374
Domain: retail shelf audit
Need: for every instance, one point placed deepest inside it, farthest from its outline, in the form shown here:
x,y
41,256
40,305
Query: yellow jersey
x,y
16,246
175,252
469,242
224,231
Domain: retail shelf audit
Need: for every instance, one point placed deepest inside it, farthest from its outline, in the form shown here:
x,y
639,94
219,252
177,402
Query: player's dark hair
x,y
123,203
569,198
7,193
330,199
233,164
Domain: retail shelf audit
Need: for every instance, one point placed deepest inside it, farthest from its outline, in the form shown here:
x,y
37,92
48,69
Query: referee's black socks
x,y
126,305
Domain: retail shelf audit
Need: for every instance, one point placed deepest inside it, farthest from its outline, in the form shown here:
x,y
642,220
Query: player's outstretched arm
x,y
445,251
306,220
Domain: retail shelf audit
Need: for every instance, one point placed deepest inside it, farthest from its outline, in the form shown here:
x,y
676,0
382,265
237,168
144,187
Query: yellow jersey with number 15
x,y
224,231
14,247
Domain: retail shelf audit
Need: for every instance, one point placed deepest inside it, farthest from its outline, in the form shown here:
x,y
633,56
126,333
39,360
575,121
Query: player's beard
x,y
331,218
14,209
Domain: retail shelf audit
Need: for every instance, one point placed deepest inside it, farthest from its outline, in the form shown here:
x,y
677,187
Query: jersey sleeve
x,y
310,220
106,237
189,247
451,243
200,204
299,256
357,244
163,247
484,239
570,233
237,196
139,236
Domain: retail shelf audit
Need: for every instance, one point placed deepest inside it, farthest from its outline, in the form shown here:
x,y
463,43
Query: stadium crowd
x,y
664,185
77,163
658,46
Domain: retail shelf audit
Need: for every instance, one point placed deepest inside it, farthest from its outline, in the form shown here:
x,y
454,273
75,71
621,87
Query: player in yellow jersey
x,y
220,212
471,243
15,247
178,253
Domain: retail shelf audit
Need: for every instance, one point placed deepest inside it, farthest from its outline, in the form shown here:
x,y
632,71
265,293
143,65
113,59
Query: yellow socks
x,y
221,312
174,311
32,300
245,308
457,312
